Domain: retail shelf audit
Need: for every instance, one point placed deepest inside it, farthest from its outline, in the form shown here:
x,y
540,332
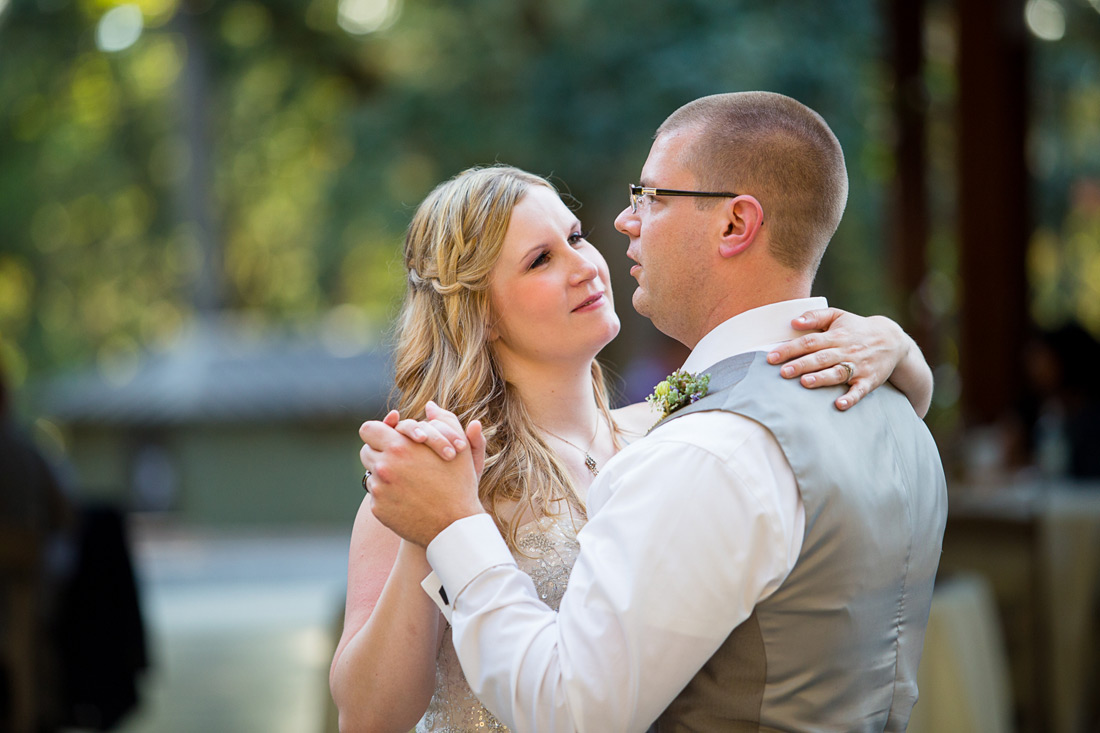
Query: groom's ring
x,y
365,477
848,367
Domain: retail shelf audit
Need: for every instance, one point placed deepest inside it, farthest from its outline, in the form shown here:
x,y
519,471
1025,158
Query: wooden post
x,y
910,211
994,221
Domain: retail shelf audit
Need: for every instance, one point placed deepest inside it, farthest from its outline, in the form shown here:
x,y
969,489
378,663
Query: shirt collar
x,y
758,329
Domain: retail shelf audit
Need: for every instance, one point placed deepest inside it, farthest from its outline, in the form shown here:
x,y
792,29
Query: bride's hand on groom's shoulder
x,y
842,348
417,486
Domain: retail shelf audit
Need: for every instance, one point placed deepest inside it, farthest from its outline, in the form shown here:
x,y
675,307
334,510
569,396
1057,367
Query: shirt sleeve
x,y
695,530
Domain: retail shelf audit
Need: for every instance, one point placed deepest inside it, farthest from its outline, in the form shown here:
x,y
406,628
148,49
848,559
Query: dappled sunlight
x,y
246,24
1046,19
368,271
16,282
157,66
119,28
154,13
367,16
1065,264
93,94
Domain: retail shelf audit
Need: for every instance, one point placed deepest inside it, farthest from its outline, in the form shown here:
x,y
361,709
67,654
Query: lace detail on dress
x,y
548,549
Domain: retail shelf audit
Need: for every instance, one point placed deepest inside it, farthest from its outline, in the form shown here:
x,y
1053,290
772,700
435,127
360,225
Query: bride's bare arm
x,y
383,671
876,348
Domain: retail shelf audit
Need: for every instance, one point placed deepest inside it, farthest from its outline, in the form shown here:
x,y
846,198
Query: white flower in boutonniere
x,y
679,389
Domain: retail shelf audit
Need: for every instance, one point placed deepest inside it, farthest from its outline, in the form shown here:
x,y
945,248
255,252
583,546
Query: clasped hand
x,y
424,473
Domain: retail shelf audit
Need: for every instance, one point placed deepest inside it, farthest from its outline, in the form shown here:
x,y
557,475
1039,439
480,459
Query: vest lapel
x,y
724,376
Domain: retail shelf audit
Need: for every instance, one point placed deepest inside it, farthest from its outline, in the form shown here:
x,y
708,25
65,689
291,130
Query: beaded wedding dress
x,y
547,550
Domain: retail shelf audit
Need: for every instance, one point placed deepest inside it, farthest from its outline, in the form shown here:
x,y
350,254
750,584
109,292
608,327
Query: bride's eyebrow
x,y
531,250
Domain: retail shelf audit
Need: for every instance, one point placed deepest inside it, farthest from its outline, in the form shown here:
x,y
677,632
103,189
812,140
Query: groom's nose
x,y
628,222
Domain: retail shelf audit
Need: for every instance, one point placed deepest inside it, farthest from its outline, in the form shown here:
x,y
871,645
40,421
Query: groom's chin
x,y
640,303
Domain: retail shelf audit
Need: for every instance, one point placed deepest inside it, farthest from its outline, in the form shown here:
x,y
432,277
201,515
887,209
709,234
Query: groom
x,y
760,560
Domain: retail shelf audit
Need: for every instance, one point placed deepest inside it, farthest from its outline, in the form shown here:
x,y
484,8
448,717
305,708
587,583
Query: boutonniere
x,y
679,389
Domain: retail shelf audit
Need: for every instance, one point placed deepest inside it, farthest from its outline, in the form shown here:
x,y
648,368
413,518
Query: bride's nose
x,y
584,270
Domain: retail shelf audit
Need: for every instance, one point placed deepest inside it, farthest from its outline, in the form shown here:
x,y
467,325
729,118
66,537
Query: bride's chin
x,y
582,348
613,331
608,336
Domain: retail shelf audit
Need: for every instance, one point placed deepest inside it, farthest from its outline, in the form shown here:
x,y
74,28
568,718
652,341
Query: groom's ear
x,y
741,221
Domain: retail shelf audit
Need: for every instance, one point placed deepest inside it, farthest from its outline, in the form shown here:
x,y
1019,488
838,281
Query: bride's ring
x,y
366,476
850,368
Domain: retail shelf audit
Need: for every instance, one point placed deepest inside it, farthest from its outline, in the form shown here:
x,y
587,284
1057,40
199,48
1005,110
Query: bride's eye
x,y
576,237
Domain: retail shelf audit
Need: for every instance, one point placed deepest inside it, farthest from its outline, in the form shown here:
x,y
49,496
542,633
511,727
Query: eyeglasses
x,y
638,192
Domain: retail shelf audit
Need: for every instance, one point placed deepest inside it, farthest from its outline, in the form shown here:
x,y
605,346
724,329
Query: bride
x,y
506,308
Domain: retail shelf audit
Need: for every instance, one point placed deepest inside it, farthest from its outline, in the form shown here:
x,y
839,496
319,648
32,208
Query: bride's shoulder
x,y
634,420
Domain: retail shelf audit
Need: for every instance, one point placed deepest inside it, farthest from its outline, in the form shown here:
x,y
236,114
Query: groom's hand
x,y
442,432
413,491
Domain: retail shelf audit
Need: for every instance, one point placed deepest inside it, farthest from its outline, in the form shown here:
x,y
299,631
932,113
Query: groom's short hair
x,y
776,149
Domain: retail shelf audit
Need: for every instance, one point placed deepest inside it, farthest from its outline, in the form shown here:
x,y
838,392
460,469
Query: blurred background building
x,y
202,206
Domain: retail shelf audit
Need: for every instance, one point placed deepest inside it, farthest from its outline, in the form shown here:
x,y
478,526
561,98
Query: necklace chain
x,y
589,461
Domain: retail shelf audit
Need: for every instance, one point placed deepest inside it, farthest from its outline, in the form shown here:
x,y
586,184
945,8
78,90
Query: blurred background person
x,y
1061,410
34,514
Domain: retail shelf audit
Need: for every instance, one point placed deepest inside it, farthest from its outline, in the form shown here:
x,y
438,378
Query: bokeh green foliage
x,y
1064,159
314,144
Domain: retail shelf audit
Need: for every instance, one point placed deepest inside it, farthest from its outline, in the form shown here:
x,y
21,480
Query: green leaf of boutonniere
x,y
679,389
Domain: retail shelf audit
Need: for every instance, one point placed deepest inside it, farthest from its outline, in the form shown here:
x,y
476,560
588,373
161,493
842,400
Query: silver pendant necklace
x,y
589,461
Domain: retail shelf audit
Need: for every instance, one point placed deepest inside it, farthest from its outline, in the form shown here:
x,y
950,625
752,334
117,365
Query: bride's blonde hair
x,y
443,350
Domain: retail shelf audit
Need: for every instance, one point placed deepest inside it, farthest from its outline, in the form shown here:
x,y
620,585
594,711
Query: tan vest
x,y
836,647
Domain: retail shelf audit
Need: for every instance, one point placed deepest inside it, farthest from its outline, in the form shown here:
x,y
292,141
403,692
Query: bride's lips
x,y
594,301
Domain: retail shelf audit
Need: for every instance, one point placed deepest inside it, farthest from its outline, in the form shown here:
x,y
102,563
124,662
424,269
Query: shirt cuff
x,y
464,550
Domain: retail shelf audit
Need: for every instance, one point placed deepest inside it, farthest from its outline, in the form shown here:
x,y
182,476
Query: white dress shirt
x,y
689,528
